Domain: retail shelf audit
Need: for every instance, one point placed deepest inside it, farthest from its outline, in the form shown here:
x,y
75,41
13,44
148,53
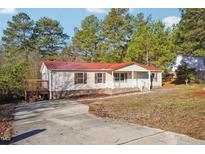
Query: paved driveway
x,y
68,122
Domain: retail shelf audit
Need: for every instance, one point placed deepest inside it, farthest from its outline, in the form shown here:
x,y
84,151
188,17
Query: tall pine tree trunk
x,y
147,57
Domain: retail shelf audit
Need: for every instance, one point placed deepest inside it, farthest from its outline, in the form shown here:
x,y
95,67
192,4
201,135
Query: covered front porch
x,y
131,79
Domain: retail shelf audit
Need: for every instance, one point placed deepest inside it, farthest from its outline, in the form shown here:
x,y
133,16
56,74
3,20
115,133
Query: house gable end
x,y
43,67
133,67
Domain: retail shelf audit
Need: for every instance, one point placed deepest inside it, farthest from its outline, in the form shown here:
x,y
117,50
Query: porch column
x,y
160,78
133,79
112,82
149,80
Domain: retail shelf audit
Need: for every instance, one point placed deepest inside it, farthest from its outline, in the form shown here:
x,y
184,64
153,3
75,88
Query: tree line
x,y
119,37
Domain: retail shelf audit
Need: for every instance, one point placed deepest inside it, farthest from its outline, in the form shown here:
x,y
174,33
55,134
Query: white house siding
x,y
45,76
64,81
44,73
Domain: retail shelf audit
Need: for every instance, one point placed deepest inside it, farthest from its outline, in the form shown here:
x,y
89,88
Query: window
x,y
80,78
117,76
142,75
99,77
120,76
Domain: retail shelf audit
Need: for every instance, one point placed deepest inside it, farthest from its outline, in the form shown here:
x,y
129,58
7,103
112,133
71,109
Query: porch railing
x,y
143,85
133,83
123,84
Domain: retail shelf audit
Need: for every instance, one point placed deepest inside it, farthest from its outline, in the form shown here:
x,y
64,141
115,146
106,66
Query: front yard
x,y
6,118
179,109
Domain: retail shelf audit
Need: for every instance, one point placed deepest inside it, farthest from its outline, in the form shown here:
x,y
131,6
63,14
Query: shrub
x,y
11,80
186,74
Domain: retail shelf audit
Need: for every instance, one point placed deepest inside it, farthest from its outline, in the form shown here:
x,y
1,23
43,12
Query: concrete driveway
x,y
68,122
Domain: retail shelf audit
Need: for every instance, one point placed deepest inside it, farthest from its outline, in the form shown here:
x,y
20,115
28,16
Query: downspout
x,y
50,85
149,85
112,81
160,79
133,84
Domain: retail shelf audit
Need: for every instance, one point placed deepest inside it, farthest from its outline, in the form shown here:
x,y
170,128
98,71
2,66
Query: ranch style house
x,y
67,79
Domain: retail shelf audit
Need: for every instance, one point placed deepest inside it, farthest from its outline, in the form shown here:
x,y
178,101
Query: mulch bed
x,y
181,120
87,96
6,118
185,118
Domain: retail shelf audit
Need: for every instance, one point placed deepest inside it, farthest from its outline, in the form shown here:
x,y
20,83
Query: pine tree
x,y
16,38
49,38
151,43
190,32
116,32
86,38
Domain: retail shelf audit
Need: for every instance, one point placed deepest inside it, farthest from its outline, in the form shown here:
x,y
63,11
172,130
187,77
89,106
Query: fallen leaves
x,y
6,117
168,110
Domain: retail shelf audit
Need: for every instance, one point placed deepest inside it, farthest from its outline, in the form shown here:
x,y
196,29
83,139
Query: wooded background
x,y
119,37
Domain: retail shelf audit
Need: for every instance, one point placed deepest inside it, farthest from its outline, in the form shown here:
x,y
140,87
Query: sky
x,y
72,17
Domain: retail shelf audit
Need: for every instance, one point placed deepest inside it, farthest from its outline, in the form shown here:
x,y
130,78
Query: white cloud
x,y
131,10
171,20
8,11
103,11
97,10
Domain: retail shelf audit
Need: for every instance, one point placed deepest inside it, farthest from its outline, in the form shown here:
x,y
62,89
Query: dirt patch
x,y
199,93
169,84
6,118
165,109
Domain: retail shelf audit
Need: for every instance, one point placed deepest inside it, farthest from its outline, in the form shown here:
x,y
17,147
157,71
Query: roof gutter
x,y
101,69
80,69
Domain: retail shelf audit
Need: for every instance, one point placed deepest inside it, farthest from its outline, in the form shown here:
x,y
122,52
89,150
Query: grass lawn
x,y
179,109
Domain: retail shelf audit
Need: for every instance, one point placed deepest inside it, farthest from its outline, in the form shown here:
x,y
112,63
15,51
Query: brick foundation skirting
x,y
106,91
74,93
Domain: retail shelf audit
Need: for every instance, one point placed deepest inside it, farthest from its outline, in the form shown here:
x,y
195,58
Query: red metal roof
x,y
64,65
